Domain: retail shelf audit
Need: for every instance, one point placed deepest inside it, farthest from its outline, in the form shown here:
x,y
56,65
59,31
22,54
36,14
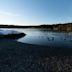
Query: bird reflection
x,y
50,39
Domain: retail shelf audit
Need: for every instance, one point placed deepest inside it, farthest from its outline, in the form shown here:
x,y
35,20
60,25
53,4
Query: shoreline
x,y
47,50
22,57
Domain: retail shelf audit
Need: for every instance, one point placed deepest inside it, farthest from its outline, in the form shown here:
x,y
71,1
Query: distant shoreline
x,y
67,27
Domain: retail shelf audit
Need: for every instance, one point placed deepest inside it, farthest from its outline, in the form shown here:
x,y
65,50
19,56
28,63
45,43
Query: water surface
x,y
45,37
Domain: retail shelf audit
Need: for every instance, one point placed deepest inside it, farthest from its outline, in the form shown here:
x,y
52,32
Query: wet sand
x,y
22,57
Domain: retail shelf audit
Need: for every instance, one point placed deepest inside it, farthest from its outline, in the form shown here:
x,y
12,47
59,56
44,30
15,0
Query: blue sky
x,y
35,12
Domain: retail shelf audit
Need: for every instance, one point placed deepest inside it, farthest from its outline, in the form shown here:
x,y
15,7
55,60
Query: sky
x,y
35,12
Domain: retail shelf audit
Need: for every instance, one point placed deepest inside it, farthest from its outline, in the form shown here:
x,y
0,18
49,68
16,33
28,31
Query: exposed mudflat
x,y
22,57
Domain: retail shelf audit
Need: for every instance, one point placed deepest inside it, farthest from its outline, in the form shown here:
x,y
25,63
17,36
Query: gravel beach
x,y
22,57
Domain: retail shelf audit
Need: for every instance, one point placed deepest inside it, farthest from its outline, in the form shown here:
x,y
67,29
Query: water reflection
x,y
46,37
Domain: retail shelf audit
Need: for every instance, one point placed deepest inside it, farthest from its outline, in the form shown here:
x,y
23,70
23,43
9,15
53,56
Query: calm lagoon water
x,y
45,37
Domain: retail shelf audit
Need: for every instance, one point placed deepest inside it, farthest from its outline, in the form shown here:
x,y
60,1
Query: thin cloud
x,y
8,13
